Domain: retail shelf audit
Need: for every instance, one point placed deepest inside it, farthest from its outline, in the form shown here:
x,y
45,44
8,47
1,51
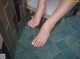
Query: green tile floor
x,y
63,43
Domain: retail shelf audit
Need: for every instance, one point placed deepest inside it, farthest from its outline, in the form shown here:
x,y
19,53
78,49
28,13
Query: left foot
x,y
41,38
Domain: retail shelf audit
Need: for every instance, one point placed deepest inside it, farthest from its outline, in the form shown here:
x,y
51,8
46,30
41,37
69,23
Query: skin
x,y
45,30
39,13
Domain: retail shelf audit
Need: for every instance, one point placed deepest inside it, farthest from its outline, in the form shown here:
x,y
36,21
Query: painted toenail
x,y
32,43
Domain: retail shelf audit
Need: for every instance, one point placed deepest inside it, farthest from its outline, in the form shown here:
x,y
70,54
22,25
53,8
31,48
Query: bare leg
x,y
44,33
37,17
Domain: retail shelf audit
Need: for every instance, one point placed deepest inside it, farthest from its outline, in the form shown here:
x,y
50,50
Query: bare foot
x,y
36,19
41,38
34,22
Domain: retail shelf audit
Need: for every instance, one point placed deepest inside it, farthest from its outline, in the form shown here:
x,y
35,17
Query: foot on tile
x,y
33,22
41,38
36,19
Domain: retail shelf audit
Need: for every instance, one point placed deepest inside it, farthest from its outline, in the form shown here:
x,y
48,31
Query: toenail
x,y
33,43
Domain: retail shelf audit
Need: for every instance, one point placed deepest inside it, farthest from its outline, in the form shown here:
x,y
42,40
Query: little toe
x,y
42,44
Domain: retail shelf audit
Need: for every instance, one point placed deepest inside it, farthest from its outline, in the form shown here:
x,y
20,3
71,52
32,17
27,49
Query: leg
x,y
37,17
44,33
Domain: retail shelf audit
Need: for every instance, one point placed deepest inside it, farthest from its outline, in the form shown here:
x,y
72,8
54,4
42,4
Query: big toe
x,y
34,41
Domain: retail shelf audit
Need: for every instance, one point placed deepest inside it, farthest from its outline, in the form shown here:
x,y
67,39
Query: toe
x,y
40,43
36,44
34,41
